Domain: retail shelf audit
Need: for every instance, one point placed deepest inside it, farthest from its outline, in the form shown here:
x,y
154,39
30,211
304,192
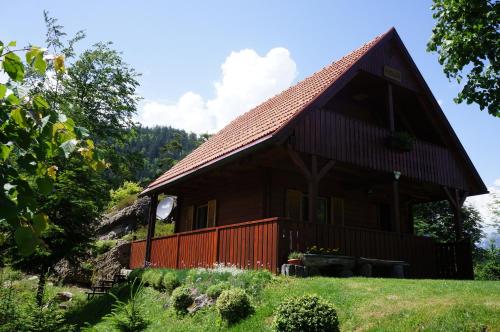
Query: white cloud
x,y
247,79
482,204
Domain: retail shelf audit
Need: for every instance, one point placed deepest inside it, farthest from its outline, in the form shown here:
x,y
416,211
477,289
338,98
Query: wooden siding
x,y
335,136
266,243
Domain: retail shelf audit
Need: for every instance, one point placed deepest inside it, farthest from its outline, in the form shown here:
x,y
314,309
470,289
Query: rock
x,y
64,296
73,272
200,302
112,262
63,306
117,224
33,278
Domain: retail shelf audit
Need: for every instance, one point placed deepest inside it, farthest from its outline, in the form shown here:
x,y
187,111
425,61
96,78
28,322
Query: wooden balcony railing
x,y
266,243
339,137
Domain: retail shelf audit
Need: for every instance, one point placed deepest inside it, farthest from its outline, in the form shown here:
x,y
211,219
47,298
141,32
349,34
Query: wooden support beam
x,y
299,162
313,176
396,208
151,228
456,200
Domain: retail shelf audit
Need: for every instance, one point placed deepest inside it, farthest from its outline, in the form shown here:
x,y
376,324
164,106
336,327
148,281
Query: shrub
x,y
129,316
252,281
305,313
169,282
295,255
152,278
124,196
214,291
234,305
181,300
102,246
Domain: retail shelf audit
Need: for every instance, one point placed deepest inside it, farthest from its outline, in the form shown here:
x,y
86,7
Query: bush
x,y
124,196
169,282
234,305
181,300
489,270
129,316
102,246
252,281
214,291
306,313
152,278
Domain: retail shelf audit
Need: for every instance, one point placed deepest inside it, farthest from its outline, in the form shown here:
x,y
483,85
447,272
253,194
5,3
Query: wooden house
x,y
337,161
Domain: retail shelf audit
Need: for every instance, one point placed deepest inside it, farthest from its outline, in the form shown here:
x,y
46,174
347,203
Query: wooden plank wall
x,y
250,245
339,137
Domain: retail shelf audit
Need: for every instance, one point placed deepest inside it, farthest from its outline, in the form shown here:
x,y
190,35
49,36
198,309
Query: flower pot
x,y
295,261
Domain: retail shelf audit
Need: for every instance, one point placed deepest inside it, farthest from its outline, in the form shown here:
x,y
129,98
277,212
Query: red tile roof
x,y
265,120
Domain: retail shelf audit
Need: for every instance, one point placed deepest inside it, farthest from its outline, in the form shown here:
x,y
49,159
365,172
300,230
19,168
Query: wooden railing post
x,y
177,252
151,228
217,245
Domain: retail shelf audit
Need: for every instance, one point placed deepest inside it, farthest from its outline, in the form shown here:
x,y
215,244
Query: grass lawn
x,y
363,304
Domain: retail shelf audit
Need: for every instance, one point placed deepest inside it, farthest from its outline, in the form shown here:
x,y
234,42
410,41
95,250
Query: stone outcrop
x,y
112,261
115,225
73,272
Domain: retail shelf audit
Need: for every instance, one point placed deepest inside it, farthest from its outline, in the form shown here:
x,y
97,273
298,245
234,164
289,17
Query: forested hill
x,y
159,148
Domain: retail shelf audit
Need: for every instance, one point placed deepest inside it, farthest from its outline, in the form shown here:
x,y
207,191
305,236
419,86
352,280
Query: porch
x,y
265,244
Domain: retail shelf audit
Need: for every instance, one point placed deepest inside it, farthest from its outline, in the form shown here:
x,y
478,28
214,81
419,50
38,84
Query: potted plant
x,y
295,258
401,140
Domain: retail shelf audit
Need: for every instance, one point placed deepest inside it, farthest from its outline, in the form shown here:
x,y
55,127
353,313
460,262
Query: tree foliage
x,y
467,40
35,138
436,219
160,148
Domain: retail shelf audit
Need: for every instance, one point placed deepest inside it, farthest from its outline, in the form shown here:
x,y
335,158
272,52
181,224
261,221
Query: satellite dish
x,y
165,207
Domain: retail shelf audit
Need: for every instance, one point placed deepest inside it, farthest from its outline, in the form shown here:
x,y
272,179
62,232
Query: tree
x,y
36,142
467,40
100,93
436,219
495,211
34,138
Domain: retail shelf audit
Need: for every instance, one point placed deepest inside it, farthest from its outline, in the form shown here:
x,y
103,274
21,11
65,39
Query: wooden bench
x,y
395,268
103,286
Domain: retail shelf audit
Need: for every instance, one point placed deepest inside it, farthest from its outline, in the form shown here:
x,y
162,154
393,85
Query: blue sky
x,y
179,47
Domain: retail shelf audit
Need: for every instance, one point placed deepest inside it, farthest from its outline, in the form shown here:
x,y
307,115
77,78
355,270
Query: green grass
x,y
363,304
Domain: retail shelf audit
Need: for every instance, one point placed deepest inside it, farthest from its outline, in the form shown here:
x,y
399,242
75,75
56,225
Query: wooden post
x,y
217,245
313,190
177,213
457,199
313,176
151,228
177,252
396,208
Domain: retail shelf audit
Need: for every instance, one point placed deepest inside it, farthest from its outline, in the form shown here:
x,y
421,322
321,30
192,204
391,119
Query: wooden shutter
x,y
190,217
293,198
212,213
337,211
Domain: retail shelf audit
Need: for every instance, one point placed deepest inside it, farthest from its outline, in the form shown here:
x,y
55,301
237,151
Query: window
x,y
321,206
201,216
